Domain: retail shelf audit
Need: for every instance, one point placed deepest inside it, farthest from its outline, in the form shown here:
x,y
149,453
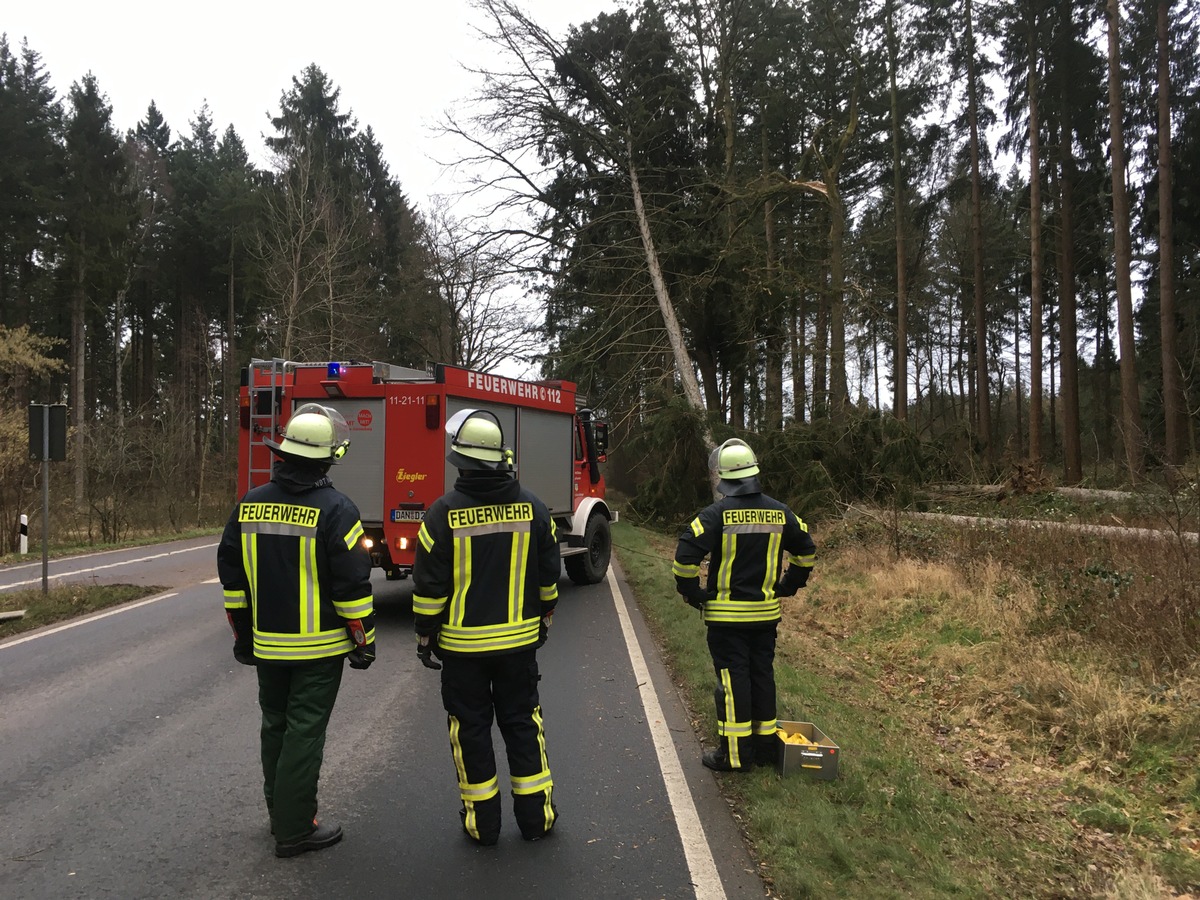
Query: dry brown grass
x,y
1134,598
1019,647
1138,882
983,590
1059,669
1084,708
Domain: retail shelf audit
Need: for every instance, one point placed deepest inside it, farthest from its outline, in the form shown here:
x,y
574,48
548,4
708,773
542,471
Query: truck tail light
x,y
244,411
401,543
433,411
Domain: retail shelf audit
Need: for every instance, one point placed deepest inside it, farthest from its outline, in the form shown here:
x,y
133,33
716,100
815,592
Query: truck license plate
x,y
408,515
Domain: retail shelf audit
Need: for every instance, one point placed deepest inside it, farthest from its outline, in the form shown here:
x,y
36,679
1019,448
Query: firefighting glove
x,y
362,657
425,652
691,591
244,655
363,653
793,579
243,643
544,629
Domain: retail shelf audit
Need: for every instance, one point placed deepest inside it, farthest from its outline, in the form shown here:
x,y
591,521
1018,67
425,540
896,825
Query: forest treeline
x,y
896,239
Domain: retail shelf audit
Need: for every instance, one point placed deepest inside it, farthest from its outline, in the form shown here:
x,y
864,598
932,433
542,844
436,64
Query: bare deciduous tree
x,y
310,250
485,317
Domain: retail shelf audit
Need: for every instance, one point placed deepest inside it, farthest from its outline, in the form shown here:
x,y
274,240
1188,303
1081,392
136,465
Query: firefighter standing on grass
x,y
298,595
485,583
747,536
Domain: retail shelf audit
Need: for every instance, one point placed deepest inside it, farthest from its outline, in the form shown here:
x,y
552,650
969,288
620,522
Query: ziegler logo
x,y
403,476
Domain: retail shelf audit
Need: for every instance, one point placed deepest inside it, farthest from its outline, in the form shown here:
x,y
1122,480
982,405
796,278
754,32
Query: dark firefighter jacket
x,y
487,567
748,537
290,553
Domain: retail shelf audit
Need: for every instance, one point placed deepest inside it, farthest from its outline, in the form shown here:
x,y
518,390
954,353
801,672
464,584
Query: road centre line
x,y
74,622
38,561
699,855
127,562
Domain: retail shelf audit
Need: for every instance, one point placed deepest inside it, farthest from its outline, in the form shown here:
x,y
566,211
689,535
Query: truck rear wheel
x,y
591,566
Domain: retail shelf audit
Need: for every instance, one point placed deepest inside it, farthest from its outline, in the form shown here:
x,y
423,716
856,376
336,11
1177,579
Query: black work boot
x,y
487,836
536,834
718,761
322,836
766,750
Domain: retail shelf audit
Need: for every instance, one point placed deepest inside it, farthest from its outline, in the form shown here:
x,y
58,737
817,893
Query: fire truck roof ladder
x,y
386,372
266,381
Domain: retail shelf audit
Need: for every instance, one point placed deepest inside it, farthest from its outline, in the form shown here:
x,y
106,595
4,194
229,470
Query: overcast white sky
x,y
398,65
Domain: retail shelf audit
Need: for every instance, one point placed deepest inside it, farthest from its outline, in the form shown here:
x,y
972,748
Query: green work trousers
x,y
296,703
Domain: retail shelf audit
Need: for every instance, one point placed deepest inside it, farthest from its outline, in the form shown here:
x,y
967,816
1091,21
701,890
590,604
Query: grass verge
x,y
65,601
989,746
76,548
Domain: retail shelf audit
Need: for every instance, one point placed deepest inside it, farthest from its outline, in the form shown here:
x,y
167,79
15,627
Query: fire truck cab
x,y
397,463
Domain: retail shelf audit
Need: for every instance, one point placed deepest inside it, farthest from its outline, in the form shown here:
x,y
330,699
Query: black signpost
x,y
47,442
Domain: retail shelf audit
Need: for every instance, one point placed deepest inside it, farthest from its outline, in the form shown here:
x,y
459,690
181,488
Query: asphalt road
x,y
129,761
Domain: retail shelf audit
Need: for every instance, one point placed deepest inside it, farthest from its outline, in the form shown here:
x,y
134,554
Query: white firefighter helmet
x,y
477,441
734,459
736,467
314,432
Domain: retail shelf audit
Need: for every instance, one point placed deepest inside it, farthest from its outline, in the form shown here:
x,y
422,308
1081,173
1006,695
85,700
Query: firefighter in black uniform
x,y
485,583
747,536
298,595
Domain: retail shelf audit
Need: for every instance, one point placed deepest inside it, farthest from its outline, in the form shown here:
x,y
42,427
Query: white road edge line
x,y
75,622
127,562
701,865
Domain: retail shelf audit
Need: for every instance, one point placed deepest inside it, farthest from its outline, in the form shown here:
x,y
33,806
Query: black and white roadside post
x,y
47,441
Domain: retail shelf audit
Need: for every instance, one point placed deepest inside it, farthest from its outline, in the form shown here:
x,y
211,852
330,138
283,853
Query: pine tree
x,y
1174,411
31,161
915,34
97,215
146,152
1159,43
237,209
1131,406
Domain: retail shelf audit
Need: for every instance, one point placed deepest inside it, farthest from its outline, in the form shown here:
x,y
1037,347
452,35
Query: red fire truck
x,y
397,463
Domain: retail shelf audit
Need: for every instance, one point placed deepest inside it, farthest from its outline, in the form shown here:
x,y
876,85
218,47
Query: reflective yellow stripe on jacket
x,y
741,612
309,642
725,609
466,525
293,647
478,638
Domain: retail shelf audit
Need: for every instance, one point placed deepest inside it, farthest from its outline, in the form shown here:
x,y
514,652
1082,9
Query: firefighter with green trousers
x,y
298,595
747,536
485,584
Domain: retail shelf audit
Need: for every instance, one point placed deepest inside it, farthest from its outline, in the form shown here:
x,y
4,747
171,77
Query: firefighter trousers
x,y
473,691
296,703
744,660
